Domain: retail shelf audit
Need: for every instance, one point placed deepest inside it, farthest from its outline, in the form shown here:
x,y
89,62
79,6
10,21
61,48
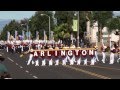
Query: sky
x,y
18,15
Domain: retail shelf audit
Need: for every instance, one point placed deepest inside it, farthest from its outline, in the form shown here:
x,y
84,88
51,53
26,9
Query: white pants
x,y
56,62
64,61
104,56
43,62
118,60
50,62
30,59
85,61
37,62
96,56
111,58
7,49
79,61
93,61
71,62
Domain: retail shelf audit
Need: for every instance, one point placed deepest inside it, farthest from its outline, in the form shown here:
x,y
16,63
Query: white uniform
x,y
85,61
50,60
96,55
93,61
118,60
112,55
30,57
103,54
57,58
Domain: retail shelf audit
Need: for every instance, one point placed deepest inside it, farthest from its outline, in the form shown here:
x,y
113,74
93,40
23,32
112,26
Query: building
x,y
91,33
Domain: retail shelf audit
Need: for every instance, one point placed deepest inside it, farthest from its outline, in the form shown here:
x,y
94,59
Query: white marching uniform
x,y
43,62
85,61
78,60
57,58
96,55
64,58
103,54
95,58
30,57
93,61
50,61
112,56
118,60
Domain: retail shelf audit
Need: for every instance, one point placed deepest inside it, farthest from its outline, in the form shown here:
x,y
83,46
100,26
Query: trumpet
x,y
21,55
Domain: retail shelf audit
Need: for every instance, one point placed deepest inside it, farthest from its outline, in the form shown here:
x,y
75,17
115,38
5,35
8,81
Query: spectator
x,y
3,70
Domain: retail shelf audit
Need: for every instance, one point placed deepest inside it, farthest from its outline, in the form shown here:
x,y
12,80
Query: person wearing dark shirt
x,y
3,70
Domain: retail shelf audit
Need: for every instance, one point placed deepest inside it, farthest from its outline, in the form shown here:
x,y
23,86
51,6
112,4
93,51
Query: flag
x,y
37,35
8,35
45,36
29,35
16,34
23,34
75,22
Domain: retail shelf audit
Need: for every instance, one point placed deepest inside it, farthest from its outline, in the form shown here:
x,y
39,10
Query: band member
x,y
118,51
43,58
78,57
96,54
103,53
72,57
85,61
50,57
92,61
30,56
112,55
64,58
57,57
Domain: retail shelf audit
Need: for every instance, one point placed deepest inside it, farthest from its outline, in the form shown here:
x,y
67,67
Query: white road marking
x,y
20,66
10,59
27,71
35,77
16,63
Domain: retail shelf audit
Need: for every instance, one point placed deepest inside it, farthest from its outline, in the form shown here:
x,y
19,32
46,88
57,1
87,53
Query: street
x,y
19,70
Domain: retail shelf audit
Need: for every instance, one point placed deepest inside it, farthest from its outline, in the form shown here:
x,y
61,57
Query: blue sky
x,y
18,15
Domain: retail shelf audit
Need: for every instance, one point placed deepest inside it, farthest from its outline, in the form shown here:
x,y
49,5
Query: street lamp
x,y
49,23
78,30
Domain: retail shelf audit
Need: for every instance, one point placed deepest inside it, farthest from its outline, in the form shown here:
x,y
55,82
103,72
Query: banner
x,y
75,22
64,52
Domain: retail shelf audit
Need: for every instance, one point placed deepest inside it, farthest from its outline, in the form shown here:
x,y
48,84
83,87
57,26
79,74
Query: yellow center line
x,y
102,67
87,72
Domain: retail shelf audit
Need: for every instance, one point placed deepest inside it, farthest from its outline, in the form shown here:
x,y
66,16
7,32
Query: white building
x,y
93,31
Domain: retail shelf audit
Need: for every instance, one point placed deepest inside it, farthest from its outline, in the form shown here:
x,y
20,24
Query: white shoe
x,y
33,62
36,65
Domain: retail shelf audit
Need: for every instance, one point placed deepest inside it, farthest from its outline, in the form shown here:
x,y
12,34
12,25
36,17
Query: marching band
x,y
28,47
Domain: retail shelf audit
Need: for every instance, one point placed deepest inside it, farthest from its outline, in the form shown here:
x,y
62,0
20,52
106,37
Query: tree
x,y
62,32
11,27
101,17
41,23
113,24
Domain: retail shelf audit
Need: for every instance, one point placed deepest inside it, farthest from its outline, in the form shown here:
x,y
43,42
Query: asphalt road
x,y
19,70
